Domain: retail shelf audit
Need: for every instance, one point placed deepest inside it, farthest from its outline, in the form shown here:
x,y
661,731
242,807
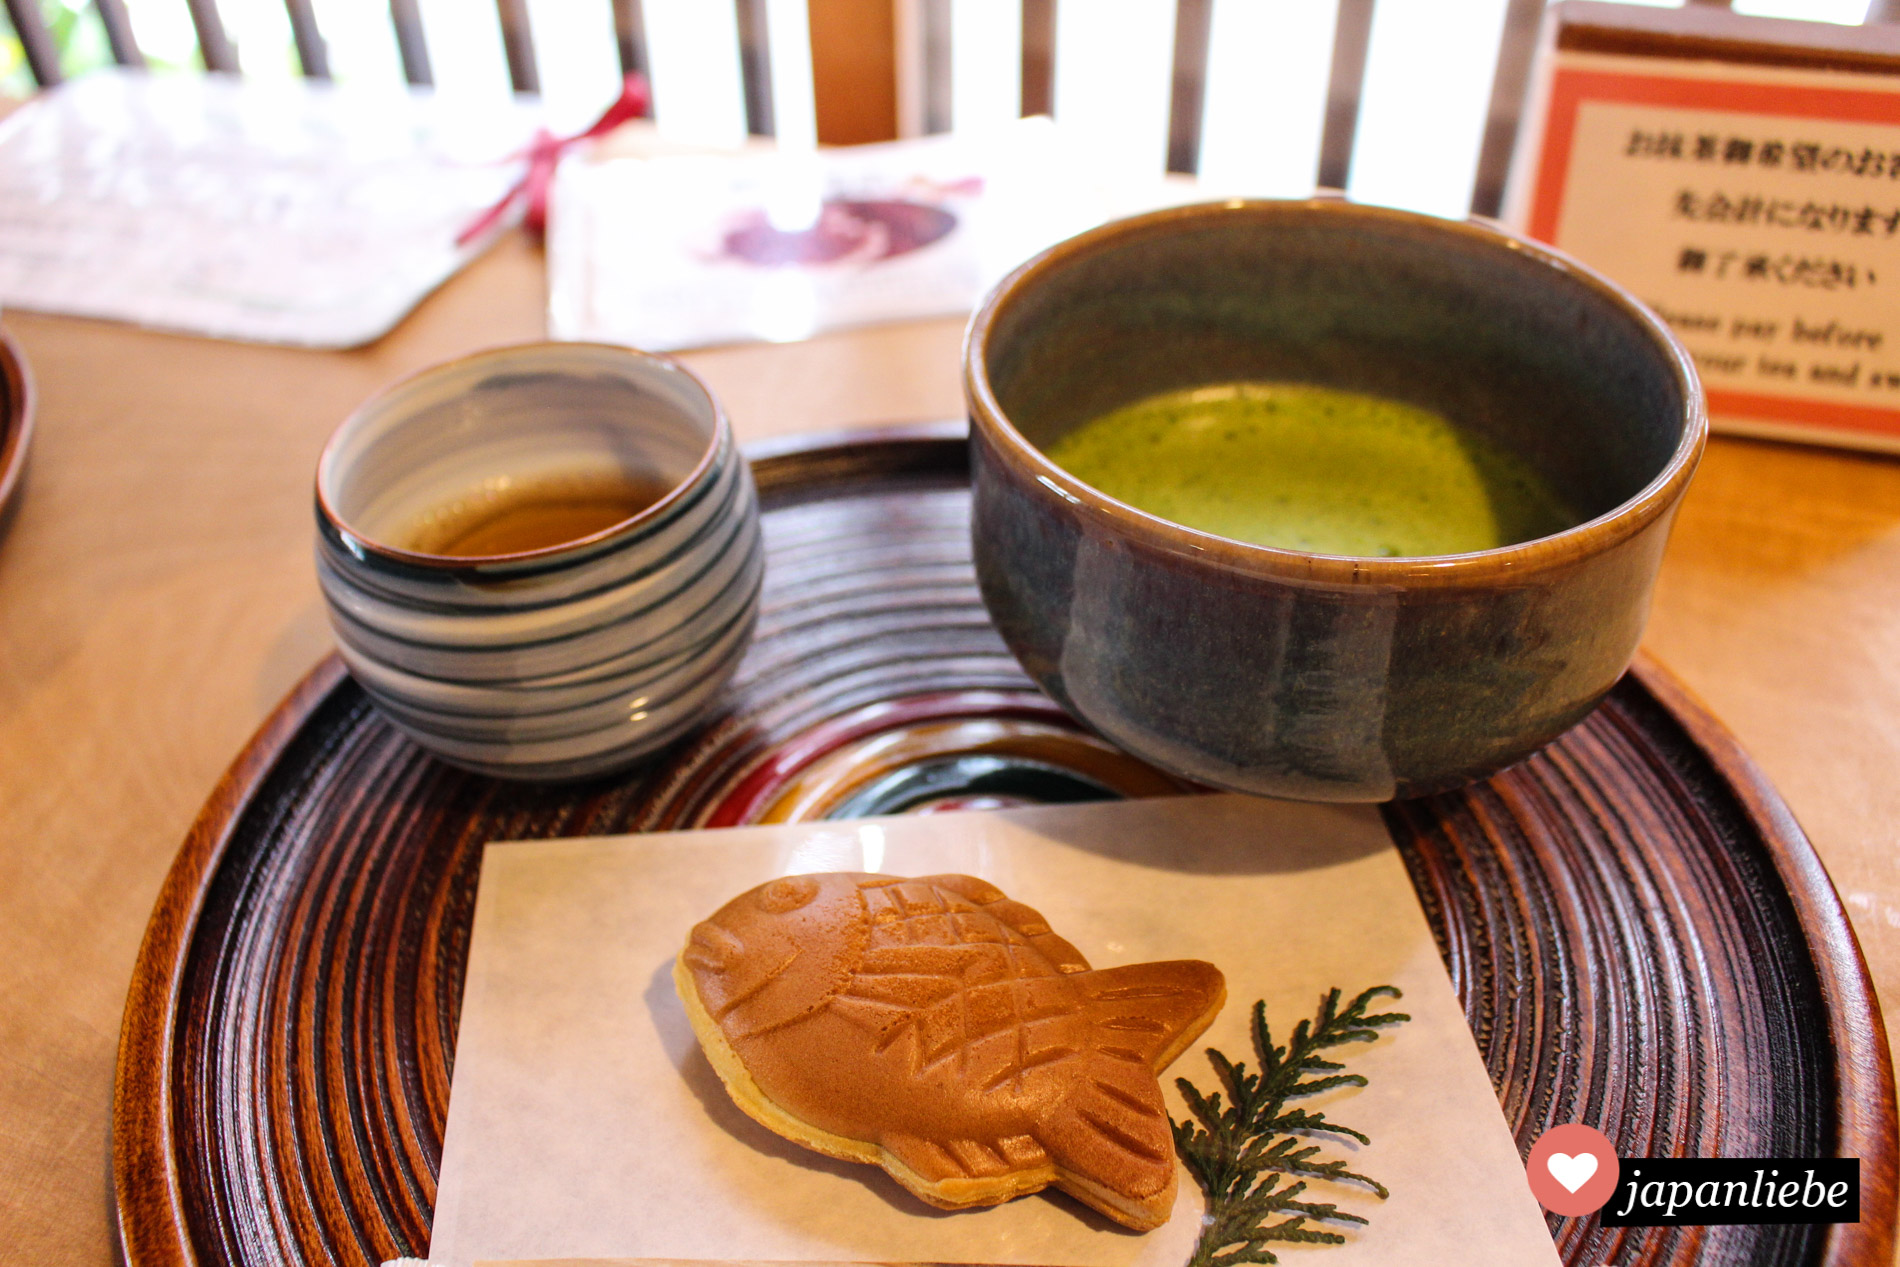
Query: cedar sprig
x,y
1251,1155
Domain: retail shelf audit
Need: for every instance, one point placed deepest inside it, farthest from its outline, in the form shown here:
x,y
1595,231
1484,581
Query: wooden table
x,y
157,598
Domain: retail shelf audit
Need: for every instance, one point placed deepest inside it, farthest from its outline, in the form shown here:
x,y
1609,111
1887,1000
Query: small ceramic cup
x,y
568,660
1325,677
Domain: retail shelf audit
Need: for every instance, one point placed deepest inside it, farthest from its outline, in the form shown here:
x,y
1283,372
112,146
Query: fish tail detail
x,y
1154,1009
1127,1099
1110,1138
1145,1148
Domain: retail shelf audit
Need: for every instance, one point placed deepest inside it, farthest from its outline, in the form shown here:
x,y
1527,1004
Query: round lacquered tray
x,y
16,422
1640,934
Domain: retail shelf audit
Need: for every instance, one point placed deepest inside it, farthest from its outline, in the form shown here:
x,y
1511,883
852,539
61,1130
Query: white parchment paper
x,y
585,1123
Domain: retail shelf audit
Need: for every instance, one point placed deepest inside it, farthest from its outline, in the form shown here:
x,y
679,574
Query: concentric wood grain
x,y
1641,936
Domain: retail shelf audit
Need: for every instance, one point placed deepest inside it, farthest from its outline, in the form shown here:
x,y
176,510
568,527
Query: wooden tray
x,y
16,422
1640,934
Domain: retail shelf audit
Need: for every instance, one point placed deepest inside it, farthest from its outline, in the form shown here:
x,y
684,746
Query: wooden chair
x,y
1406,101
714,60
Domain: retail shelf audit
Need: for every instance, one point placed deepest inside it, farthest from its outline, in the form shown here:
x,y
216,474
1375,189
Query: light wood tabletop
x,y
157,599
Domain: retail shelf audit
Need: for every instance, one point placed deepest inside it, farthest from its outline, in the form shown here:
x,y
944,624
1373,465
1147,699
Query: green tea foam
x,y
1311,468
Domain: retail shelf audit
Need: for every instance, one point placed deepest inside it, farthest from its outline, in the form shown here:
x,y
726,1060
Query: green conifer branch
x,y
1251,1154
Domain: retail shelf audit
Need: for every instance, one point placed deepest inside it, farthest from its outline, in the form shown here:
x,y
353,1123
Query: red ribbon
x,y
544,154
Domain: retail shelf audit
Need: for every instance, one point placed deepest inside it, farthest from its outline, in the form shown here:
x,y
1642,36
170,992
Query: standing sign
x,y
1755,208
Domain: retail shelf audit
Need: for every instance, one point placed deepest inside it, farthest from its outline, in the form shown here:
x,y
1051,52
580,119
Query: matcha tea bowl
x,y
1318,500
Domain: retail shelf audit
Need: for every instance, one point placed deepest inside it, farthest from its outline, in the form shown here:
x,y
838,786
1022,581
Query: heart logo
x,y
1571,1172
1572,1169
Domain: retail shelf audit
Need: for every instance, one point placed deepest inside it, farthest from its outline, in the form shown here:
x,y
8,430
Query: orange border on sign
x,y
1570,88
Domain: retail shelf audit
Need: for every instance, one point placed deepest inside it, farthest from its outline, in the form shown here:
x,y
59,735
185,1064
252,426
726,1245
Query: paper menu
x,y
684,250
280,212
1753,207
584,1123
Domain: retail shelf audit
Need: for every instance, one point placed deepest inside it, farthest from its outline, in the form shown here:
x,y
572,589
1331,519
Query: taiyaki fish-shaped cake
x,y
938,1029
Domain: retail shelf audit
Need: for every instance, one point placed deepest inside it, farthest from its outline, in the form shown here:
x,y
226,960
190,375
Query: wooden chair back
x,y
1412,102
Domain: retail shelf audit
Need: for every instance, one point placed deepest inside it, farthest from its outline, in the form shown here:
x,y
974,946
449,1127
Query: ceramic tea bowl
x,y
560,662
1325,677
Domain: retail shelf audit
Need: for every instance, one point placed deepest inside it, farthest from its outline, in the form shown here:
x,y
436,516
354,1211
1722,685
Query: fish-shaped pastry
x,y
938,1029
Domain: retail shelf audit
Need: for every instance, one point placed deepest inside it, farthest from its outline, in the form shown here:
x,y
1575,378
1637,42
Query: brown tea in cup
x,y
513,516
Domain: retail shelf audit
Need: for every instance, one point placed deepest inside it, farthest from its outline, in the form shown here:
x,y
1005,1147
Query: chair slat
x,y
698,90
405,16
576,46
1429,70
42,57
1265,99
311,53
966,59
1039,56
1114,64
939,56
1193,20
119,37
1516,50
630,36
517,40
1352,37
755,65
214,46
466,54
986,64
793,74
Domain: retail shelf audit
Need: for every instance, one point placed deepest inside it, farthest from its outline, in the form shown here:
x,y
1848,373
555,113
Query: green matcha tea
x,y
1311,468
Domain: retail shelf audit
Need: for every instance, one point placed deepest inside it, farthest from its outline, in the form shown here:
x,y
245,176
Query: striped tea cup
x,y
541,562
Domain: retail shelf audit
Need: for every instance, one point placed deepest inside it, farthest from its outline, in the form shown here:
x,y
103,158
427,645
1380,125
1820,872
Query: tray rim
x,y
147,1188
16,419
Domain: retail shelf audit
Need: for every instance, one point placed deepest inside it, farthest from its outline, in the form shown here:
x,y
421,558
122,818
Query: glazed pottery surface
x,y
561,662
1325,677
